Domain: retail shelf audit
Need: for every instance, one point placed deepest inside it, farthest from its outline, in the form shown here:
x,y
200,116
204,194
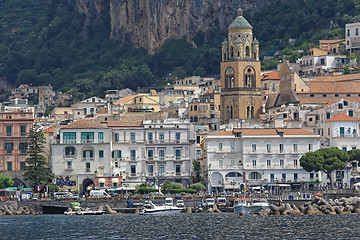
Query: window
x,y
310,147
91,110
253,147
150,154
9,148
344,148
336,95
232,163
272,177
22,165
116,137
324,95
101,153
220,146
311,95
295,162
85,111
161,154
161,168
132,155
150,137
351,113
88,155
322,61
348,33
87,137
177,137
220,163
69,137
295,177
151,170
87,165
268,163
346,103
295,147
23,130
198,153
327,115
283,177
195,107
8,130
132,137
100,137
353,148
254,163
161,138
177,168
340,106
69,165
281,162
212,107
23,148
268,148
255,175
281,148
232,146
133,170
116,154
9,166
311,175
178,153
69,152
356,31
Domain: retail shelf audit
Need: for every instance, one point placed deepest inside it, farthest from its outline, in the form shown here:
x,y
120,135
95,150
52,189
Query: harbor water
x,y
180,226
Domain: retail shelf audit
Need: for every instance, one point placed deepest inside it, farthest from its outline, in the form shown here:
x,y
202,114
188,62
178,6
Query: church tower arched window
x,y
247,51
231,52
249,78
229,78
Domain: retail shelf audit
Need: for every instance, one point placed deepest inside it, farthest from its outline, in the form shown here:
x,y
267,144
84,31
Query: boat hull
x,y
161,211
249,209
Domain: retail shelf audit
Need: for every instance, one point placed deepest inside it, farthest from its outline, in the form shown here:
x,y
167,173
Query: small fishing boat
x,y
75,209
247,206
162,209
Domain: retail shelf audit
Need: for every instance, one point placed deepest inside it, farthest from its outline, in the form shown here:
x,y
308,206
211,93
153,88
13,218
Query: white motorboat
x,y
162,209
247,206
86,211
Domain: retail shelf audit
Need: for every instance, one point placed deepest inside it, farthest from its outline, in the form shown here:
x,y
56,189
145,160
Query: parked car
x,y
146,196
180,203
99,194
75,196
209,202
169,201
61,195
221,202
113,194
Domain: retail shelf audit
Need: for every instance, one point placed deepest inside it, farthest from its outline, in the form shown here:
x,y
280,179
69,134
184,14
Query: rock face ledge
x,y
149,23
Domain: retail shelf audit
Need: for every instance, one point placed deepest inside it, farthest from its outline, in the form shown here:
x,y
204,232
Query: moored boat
x,y
162,209
247,206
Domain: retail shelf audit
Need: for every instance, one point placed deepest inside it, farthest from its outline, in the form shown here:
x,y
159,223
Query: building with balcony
x,y
89,107
14,126
266,157
82,153
152,151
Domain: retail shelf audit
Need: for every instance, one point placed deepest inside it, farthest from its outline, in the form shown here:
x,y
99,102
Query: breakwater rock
x,y
13,209
317,206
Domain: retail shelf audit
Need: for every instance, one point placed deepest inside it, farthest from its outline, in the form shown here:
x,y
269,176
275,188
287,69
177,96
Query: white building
x,y
153,151
81,154
267,157
352,36
90,106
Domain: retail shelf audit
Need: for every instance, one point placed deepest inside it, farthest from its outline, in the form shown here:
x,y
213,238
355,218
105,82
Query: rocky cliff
x,y
149,23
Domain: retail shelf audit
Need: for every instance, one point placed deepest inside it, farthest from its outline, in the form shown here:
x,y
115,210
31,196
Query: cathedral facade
x,y
240,73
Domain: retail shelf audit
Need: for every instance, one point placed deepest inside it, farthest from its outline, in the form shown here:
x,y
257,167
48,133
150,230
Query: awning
x,y
115,180
277,185
101,180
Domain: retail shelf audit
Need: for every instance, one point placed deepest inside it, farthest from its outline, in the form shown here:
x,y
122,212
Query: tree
x,y
36,170
198,187
5,181
326,160
197,171
354,155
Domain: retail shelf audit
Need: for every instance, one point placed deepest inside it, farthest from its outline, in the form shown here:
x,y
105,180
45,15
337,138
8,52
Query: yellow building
x,y
331,45
142,102
205,110
240,73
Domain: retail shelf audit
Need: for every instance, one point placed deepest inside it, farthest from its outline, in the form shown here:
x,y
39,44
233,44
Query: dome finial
x,y
239,12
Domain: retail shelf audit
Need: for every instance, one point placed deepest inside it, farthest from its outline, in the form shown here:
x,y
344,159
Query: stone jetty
x,y
13,209
317,206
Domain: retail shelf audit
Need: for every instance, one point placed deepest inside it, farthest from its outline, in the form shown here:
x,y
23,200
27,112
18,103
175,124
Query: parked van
x,y
221,202
209,202
99,194
169,201
59,195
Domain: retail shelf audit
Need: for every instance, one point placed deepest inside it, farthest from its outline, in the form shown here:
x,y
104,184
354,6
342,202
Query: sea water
x,y
181,226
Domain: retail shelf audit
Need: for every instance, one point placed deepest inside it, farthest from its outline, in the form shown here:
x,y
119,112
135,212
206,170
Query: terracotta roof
x,y
333,87
332,41
328,104
49,130
342,118
222,132
24,85
84,124
125,99
324,100
347,77
125,124
273,76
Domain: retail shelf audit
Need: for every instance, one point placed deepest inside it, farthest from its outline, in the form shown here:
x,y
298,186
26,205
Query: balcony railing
x,y
70,156
87,169
88,158
69,141
87,140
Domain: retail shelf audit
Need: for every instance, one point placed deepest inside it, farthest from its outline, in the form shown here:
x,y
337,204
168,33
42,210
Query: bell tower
x,y
240,73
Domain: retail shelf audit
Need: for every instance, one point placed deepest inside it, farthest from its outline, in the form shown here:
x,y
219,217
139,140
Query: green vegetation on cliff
x,y
45,42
